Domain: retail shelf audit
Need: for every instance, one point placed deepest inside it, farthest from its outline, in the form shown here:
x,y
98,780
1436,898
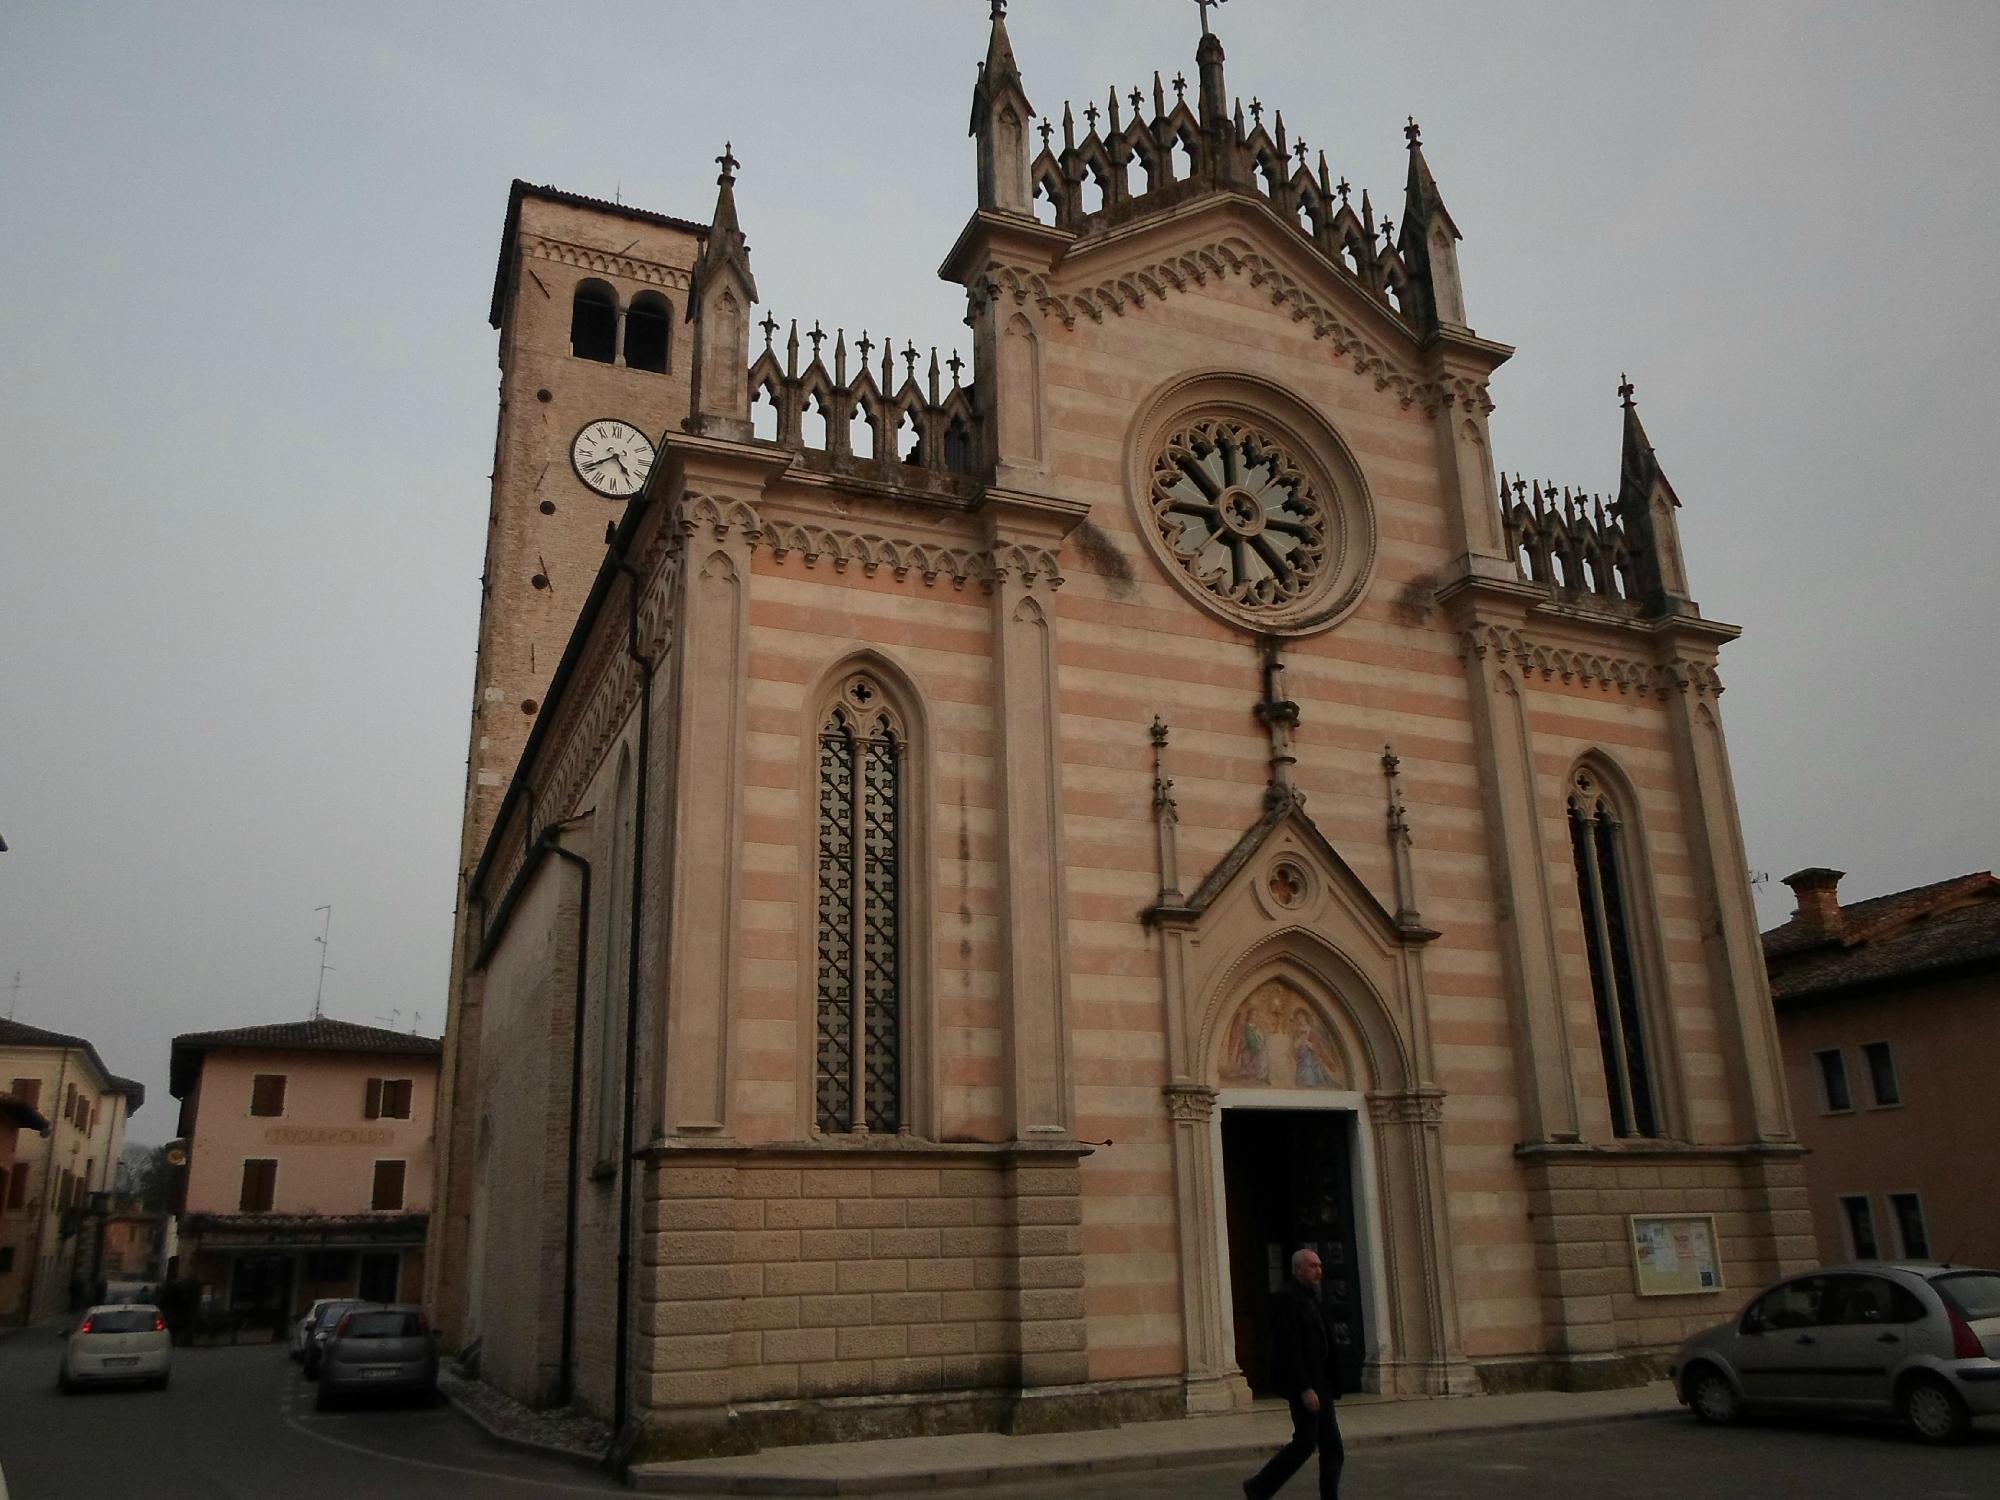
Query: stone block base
x,y
1576,1373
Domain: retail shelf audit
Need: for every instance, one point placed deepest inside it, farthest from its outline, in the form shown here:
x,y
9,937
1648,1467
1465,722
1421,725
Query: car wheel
x,y
324,1400
64,1383
161,1383
1712,1398
1934,1411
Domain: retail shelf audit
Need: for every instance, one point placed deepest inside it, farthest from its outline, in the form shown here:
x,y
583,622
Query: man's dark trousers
x,y
1310,1430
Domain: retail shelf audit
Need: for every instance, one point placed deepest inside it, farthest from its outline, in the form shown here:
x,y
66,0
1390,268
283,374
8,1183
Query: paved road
x,y
239,1424
1655,1459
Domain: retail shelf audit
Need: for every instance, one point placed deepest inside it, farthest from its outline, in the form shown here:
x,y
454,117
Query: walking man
x,y
1303,1363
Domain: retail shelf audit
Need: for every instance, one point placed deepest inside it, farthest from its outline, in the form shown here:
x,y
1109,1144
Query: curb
x,y
693,1483
513,1440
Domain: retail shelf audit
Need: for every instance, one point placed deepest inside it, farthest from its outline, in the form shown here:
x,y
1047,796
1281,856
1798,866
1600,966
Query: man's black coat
x,y
1302,1349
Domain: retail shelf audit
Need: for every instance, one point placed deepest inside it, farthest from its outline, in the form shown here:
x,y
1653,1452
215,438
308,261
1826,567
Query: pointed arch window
x,y
1600,849
860,1022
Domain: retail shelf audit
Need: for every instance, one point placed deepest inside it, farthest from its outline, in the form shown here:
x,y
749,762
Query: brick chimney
x,y
1818,893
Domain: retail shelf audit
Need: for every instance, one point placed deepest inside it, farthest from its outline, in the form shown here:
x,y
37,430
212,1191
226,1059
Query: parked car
x,y
385,1347
325,1316
117,1343
302,1328
1914,1340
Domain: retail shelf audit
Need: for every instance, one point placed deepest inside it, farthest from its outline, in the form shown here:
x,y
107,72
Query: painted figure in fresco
x,y
1277,1041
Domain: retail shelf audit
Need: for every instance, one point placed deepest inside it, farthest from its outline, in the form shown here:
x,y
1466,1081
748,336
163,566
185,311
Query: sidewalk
x,y
1247,1438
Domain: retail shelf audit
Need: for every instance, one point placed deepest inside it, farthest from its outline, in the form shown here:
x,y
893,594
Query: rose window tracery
x,y
1238,514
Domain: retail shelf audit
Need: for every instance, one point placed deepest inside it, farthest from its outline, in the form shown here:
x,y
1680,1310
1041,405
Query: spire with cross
x,y
1205,4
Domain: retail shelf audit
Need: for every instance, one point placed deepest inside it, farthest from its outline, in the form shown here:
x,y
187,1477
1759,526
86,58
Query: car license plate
x,y
121,1359
377,1372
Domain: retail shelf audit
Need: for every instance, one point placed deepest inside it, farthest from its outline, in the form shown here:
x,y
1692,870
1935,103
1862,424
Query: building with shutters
x,y
52,1173
976,860
309,1164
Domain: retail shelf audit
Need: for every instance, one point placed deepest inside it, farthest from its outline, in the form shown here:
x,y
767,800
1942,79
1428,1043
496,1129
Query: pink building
x,y
309,1163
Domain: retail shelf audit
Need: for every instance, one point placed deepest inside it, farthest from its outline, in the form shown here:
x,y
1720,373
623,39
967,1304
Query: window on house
x,y
267,1094
648,324
1908,1210
1882,1080
859,1001
1859,1216
17,1186
388,1099
260,1184
6,1259
1599,850
593,323
28,1091
69,1103
388,1186
1834,1094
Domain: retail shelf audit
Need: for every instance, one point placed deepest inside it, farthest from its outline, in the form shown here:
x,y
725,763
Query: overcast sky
x,y
247,398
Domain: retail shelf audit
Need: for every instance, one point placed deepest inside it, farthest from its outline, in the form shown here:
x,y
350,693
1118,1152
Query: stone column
x,y
1520,865
1427,1352
1211,1382
1025,532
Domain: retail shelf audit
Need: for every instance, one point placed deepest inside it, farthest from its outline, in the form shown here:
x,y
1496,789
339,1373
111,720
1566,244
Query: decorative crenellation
x,y
1682,674
1230,257
1167,152
941,449
587,258
1575,545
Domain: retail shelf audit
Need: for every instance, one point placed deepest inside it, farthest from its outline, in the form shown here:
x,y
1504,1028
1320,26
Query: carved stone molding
x,y
1418,1107
1627,675
1238,257
903,556
1190,1103
583,257
694,510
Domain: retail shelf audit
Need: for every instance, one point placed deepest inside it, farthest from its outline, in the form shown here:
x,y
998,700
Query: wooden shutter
x,y
17,1188
371,1108
267,1094
260,1180
388,1186
28,1091
396,1098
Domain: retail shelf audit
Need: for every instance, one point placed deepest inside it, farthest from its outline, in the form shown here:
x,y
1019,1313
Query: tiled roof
x,y
21,1034
1924,932
321,1034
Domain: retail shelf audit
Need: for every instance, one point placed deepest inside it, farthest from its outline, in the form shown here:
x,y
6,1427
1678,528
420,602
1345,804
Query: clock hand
x,y
593,463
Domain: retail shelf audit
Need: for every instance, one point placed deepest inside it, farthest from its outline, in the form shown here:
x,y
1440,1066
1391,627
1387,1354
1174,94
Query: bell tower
x,y
588,302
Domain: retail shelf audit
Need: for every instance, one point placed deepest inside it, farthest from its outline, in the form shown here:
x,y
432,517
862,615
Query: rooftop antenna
x,y
392,1018
14,995
319,993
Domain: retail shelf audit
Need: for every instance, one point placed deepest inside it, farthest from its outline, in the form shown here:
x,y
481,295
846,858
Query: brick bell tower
x,y
590,301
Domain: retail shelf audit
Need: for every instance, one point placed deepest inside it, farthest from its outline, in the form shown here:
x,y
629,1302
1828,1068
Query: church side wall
x,y
523,1109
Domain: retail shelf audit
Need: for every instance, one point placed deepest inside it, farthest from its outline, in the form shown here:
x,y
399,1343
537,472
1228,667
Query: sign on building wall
x,y
1674,1255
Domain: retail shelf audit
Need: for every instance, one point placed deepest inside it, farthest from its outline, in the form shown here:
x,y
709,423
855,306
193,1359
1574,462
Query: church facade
x,y
962,879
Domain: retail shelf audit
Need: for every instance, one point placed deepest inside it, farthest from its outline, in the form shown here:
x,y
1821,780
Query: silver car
x,y
377,1347
1912,1339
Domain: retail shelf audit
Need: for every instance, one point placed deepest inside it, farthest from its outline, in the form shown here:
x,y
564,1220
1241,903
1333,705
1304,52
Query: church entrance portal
x,y
1288,1180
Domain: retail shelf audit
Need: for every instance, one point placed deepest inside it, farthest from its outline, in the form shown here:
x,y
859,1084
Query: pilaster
x,y
1025,532
1731,945
1212,1382
1519,862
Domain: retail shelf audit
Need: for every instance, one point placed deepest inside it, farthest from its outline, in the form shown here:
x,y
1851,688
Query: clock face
x,y
611,456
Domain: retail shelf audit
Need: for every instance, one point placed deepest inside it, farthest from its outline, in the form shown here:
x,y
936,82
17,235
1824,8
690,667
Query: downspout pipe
x,y
621,1392
566,1372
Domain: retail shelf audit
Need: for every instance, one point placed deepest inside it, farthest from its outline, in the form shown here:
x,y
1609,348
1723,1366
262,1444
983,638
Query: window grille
x,y
859,1085
1597,845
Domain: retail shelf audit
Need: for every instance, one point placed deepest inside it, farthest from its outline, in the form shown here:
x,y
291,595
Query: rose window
x,y
1238,515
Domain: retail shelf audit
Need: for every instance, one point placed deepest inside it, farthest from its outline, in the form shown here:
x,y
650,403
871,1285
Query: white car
x,y
302,1326
118,1342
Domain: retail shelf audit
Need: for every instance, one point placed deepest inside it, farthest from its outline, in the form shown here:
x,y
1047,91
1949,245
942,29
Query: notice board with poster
x,y
1675,1255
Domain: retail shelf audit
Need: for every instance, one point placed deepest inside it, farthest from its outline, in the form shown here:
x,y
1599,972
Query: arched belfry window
x,y
593,323
1601,849
648,322
859,1077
